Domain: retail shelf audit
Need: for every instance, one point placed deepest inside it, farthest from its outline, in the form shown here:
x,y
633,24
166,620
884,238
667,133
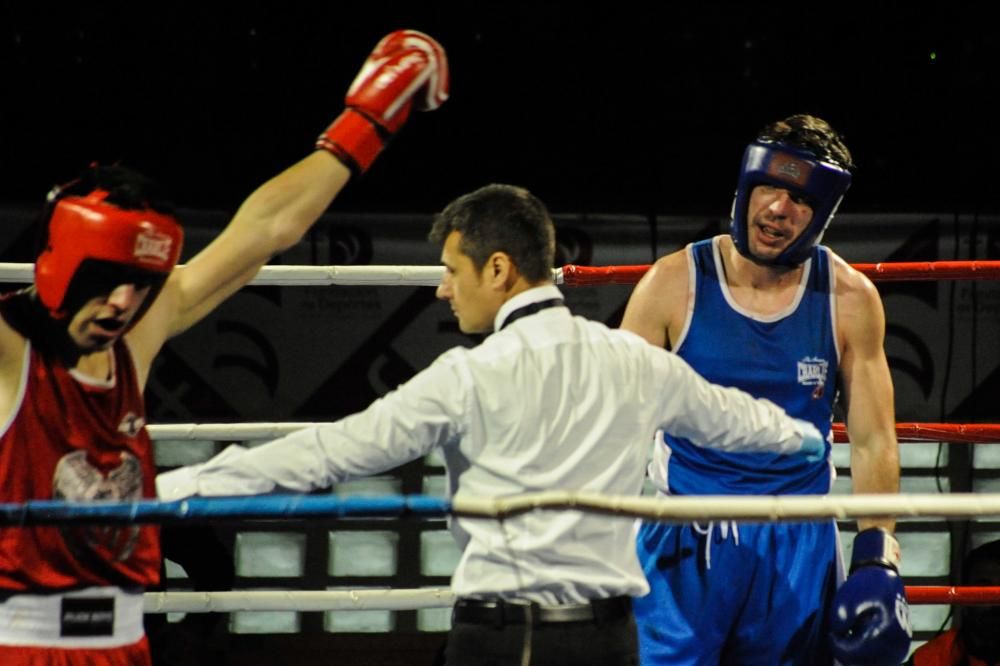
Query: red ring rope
x,y
964,596
578,276
983,433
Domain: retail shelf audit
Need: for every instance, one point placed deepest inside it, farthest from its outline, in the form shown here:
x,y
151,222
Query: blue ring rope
x,y
49,512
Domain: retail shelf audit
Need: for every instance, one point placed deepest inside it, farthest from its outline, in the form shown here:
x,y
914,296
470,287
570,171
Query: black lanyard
x,y
530,309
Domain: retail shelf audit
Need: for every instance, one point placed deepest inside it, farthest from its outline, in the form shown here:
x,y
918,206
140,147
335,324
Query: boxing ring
x,y
681,509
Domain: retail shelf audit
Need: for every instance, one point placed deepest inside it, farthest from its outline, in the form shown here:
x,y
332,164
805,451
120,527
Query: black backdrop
x,y
626,107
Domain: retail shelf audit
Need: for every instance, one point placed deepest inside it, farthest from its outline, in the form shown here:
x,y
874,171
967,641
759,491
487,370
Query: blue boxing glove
x,y
870,619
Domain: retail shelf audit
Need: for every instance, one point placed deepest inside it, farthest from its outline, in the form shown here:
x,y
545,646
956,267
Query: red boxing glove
x,y
407,70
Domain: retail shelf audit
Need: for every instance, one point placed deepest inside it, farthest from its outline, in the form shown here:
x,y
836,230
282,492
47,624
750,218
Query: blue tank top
x,y
790,358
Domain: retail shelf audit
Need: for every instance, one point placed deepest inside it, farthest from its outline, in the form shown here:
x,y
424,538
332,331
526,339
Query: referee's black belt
x,y
500,612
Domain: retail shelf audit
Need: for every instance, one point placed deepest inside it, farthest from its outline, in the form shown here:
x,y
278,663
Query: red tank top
x,y
71,440
944,650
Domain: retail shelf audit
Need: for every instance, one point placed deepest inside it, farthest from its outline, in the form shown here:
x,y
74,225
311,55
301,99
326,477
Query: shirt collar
x,y
533,295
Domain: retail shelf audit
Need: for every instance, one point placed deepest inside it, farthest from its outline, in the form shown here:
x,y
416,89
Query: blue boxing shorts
x,y
737,593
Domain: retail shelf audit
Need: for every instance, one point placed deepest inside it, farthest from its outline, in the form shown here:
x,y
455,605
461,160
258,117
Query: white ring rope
x,y
432,597
327,600
745,507
571,275
417,276
677,509
906,432
426,276
223,431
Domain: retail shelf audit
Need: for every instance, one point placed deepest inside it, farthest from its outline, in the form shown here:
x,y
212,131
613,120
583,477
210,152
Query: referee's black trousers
x,y
504,639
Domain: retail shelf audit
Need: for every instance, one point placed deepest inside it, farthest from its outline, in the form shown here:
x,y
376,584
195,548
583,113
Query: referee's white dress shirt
x,y
548,402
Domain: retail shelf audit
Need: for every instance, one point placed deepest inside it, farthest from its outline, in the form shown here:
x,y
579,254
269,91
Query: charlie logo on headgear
x,y
152,245
786,167
98,240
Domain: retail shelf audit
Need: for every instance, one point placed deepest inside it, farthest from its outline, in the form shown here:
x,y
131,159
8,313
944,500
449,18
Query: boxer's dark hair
x,y
812,134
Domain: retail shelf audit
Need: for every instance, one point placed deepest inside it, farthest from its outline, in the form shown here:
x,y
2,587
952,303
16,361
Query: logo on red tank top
x,y
131,424
77,480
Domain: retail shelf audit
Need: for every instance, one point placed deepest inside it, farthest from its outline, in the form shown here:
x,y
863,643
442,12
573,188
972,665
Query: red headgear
x,y
88,228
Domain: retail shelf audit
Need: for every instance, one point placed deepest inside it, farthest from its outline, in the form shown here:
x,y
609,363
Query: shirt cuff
x,y
178,484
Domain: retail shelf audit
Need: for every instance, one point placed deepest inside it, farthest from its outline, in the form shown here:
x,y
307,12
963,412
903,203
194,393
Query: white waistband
x,y
38,619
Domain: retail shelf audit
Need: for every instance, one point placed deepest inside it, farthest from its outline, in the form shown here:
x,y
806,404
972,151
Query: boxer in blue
x,y
771,311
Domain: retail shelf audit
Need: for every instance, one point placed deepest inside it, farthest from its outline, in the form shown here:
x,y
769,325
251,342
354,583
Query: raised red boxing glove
x,y
406,70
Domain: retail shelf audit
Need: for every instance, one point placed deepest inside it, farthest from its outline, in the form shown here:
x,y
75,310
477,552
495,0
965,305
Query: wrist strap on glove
x,y
875,547
353,139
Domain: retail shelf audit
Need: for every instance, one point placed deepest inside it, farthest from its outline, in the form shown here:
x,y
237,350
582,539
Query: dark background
x,y
626,107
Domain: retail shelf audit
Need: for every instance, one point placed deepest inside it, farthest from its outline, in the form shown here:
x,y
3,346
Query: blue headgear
x,y
821,183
